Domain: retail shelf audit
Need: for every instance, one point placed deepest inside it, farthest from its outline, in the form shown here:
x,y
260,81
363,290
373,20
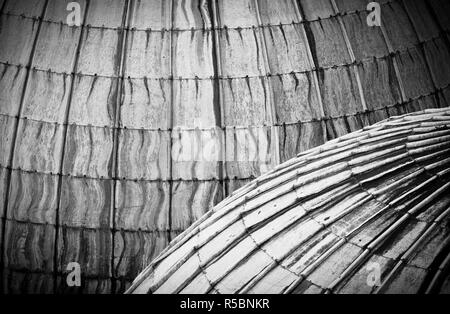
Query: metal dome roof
x,y
92,116
378,198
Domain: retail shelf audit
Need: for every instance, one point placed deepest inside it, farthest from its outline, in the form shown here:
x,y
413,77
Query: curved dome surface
x,y
372,203
97,120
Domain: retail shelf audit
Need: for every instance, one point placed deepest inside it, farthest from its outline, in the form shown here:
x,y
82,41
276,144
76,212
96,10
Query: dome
x,y
368,212
119,132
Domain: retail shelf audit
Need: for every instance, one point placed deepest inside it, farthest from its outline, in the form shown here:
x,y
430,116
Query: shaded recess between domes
x,y
374,200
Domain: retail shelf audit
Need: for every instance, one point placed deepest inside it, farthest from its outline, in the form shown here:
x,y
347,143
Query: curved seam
x,y
193,29
314,68
239,127
126,19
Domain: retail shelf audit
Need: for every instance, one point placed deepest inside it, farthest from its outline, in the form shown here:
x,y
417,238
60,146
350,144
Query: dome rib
x,y
344,203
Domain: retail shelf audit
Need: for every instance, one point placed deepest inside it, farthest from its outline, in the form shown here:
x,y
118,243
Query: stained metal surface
x,y
91,116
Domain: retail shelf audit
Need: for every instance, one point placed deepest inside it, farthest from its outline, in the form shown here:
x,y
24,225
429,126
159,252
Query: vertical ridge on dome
x,y
64,138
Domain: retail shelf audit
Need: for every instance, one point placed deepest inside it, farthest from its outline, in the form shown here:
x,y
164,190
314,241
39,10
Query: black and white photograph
x,y
227,147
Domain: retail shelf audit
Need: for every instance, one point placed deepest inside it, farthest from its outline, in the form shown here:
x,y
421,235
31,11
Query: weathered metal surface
x,y
318,222
96,121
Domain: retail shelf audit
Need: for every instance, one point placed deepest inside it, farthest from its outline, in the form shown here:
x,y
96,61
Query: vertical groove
x,y
64,140
172,14
443,33
351,53
126,18
14,137
313,63
394,62
218,107
273,112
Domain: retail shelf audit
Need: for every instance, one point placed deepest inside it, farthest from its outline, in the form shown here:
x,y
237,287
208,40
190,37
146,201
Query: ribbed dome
x,y
321,221
92,116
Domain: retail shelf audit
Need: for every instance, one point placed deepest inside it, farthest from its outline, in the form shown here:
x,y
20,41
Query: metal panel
x,y
191,14
90,248
400,32
192,55
338,86
190,200
245,101
30,8
7,125
249,151
4,172
354,5
193,104
142,205
134,250
425,26
106,13
286,49
12,80
196,154
379,83
366,42
38,146
295,97
151,14
20,282
30,246
316,9
46,96
414,72
56,47
148,54
85,202
143,154
330,48
237,13
98,53
299,137
437,55
93,101
441,8
146,104
274,12
19,33
32,197
88,151
241,52
235,184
